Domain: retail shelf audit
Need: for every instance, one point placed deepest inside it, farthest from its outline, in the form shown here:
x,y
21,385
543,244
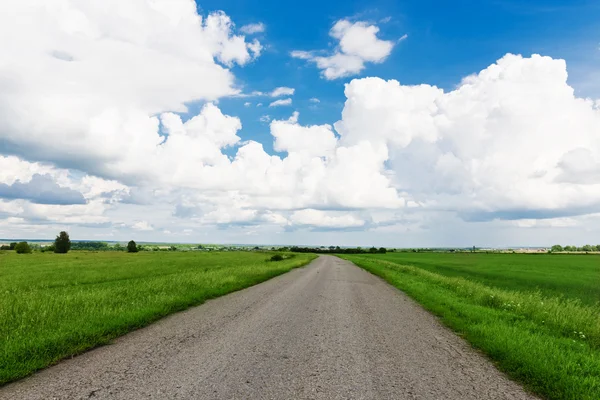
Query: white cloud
x,y
281,102
162,56
511,142
314,100
252,29
247,104
358,44
92,99
282,91
265,118
311,141
142,226
321,219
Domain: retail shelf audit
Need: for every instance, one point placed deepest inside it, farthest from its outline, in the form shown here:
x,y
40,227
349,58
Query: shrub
x,y
62,243
22,248
5,247
132,247
50,247
276,257
12,246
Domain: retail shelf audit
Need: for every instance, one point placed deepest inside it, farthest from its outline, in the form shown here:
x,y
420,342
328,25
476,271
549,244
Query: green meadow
x,y
536,316
54,306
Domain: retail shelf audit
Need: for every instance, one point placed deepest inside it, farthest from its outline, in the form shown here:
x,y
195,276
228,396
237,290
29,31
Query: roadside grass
x,y
53,306
575,276
550,344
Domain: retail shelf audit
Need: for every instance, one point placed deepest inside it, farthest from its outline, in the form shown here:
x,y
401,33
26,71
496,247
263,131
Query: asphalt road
x,y
326,331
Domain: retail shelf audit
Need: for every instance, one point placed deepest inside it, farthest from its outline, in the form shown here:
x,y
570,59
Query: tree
x,y
12,245
51,248
587,247
62,243
22,248
382,250
132,247
556,248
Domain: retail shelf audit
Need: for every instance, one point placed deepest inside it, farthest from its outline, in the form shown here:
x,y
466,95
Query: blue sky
x,y
446,42
142,120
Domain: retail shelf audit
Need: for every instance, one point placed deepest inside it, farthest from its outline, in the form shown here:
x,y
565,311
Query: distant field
x,y
53,306
571,275
537,316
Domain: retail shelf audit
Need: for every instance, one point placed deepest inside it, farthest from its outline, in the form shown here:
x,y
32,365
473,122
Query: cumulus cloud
x,y
112,69
93,114
321,219
41,189
358,44
281,102
509,142
252,29
142,226
282,91
312,141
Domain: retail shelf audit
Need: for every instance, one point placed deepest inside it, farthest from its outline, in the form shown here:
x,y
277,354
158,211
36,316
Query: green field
x,y
537,316
574,276
56,305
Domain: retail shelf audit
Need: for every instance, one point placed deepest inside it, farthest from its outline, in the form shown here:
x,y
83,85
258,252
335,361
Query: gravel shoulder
x,y
329,330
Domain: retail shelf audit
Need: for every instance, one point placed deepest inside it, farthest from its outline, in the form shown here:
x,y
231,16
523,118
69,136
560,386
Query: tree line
x,y
62,244
557,248
337,250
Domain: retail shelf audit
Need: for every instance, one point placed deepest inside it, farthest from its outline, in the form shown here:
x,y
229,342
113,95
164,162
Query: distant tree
x,y
12,246
22,248
597,247
118,247
62,243
373,250
587,247
132,247
49,248
570,248
556,248
5,247
382,250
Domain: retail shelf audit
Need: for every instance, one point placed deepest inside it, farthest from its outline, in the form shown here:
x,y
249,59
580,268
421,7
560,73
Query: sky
x,y
351,123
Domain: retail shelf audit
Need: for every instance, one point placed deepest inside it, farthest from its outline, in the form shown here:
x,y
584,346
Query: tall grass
x,y
53,306
550,344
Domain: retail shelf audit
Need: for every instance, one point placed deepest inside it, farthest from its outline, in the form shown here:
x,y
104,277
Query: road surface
x,y
326,331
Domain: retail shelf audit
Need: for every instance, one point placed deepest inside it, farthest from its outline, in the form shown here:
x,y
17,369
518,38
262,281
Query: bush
x,y
277,257
5,247
22,248
50,247
62,243
132,247
12,246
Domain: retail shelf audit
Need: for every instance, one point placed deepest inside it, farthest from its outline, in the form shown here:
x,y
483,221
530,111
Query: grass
x,y
54,306
543,332
575,276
